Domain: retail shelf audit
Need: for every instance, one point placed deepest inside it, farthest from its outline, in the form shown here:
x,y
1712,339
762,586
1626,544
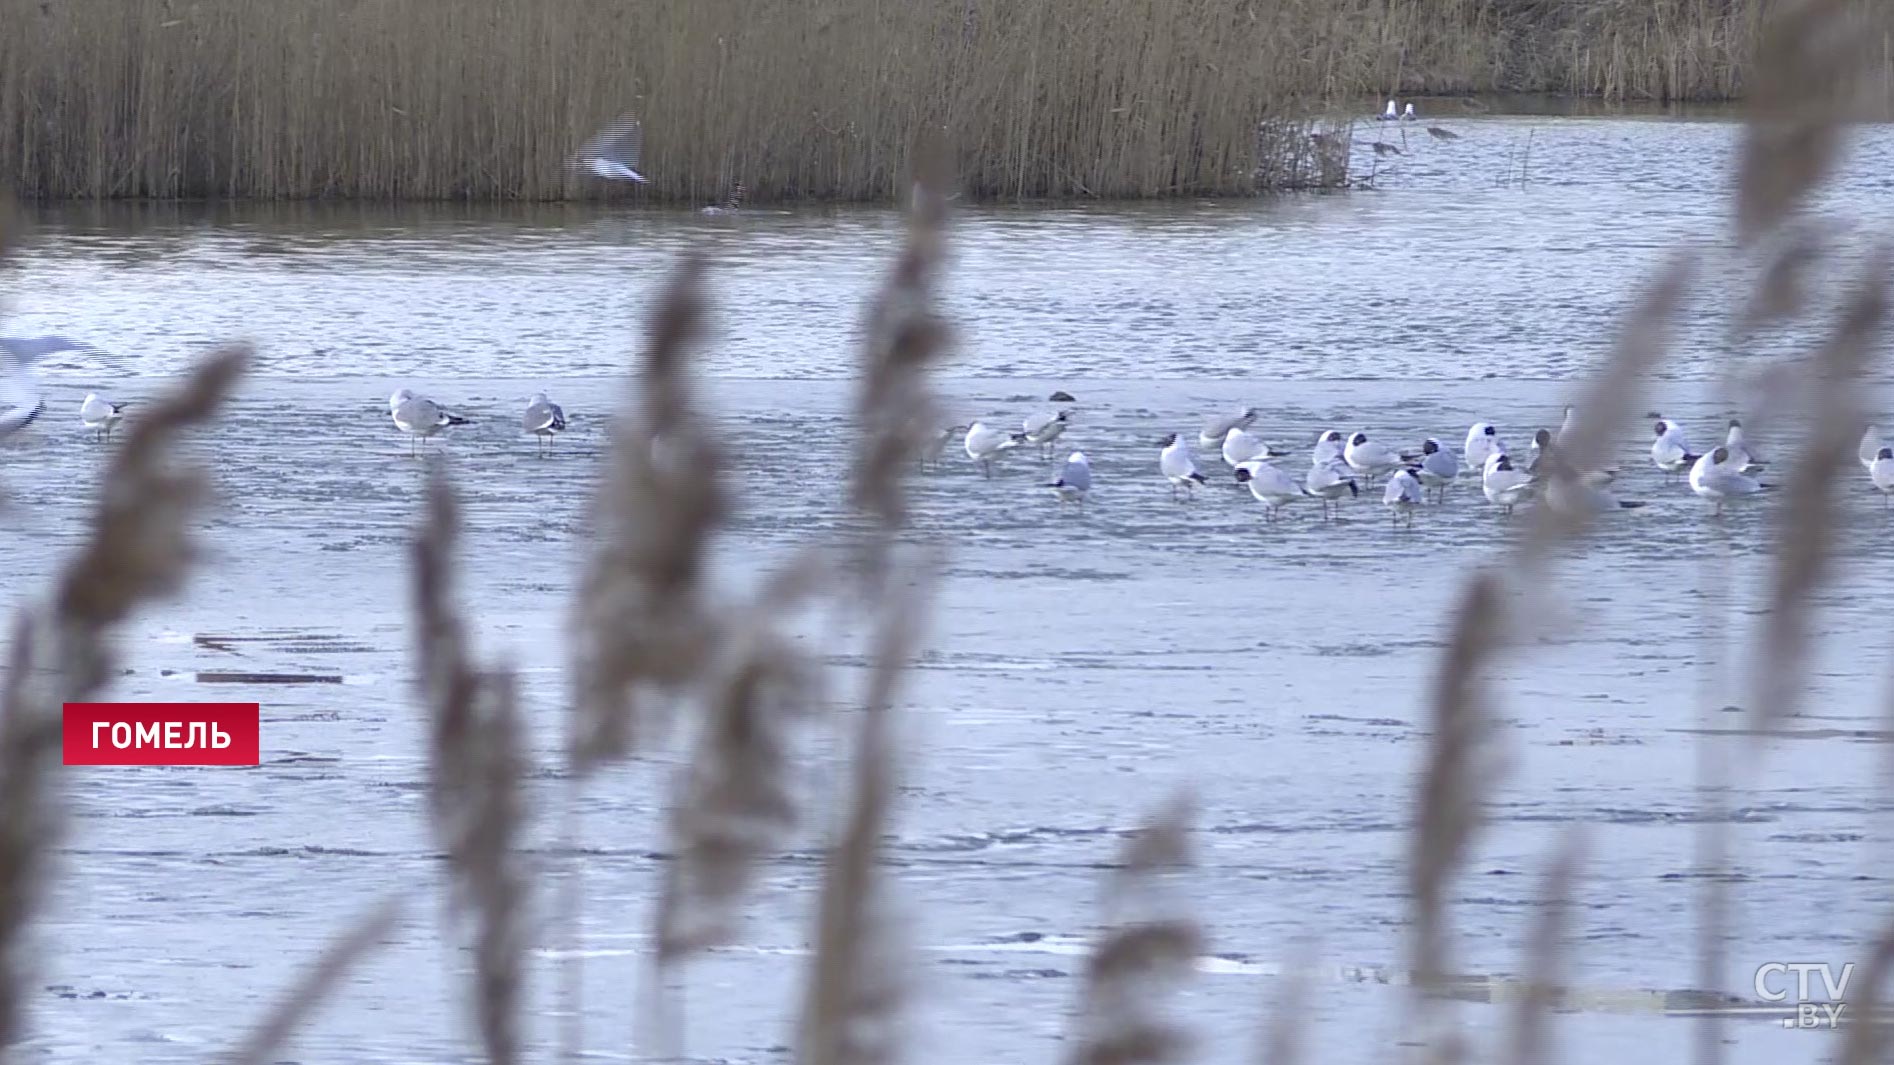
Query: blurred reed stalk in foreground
x,y
139,550
476,759
1809,83
1150,946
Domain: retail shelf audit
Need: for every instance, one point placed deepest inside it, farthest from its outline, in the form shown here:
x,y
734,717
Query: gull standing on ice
x,y
1881,472
1390,114
1328,482
613,154
1741,459
1503,485
1403,495
1565,426
1870,450
1272,488
1329,449
1439,468
1370,458
1216,430
1670,451
100,416
1483,443
1716,478
1574,498
419,417
1075,480
1240,447
984,444
934,443
1177,465
1536,455
543,418
1044,427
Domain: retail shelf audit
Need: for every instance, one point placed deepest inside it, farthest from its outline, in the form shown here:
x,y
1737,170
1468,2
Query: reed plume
x,y
1804,549
851,1007
736,802
476,763
265,1042
1149,946
1529,1037
642,627
139,550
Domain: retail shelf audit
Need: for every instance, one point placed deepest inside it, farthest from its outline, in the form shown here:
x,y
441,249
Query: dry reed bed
x,y
485,99
742,694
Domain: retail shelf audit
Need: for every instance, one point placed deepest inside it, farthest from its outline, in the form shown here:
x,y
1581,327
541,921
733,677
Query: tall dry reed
x,y
476,762
140,549
486,99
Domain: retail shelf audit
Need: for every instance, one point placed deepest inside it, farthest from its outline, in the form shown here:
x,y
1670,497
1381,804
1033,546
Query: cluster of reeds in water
x,y
656,648
826,99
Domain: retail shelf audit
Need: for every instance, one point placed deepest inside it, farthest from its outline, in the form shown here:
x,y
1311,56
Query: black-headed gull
x,y
1565,425
1741,458
1575,498
1175,463
933,442
984,443
1670,450
1439,468
1074,480
1328,450
542,419
1881,472
1217,428
1272,488
1403,495
1505,486
1716,478
1870,449
99,416
1370,458
1240,447
1536,455
1483,443
419,416
1329,482
613,154
1043,427
1391,114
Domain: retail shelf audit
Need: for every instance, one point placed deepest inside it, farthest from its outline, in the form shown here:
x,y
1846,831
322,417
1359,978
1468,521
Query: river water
x,y
1083,666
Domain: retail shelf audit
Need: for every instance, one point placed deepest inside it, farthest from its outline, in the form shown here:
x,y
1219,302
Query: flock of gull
x,y
1340,465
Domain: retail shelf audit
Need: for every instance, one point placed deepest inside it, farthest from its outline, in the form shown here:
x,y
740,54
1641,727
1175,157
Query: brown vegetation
x,y
746,689
486,99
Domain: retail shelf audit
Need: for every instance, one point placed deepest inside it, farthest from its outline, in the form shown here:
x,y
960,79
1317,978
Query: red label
x,y
162,733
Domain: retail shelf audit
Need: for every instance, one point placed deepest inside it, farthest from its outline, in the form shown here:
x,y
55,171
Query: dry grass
x,y
485,99
651,637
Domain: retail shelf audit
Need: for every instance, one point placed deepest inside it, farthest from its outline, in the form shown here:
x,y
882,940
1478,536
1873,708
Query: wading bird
x,y
543,418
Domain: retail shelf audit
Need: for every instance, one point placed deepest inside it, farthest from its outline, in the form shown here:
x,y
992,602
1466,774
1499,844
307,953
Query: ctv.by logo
x,y
1775,980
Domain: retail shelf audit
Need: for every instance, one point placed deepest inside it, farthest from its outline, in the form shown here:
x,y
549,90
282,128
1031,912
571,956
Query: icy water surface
x,y
1453,270
1083,666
